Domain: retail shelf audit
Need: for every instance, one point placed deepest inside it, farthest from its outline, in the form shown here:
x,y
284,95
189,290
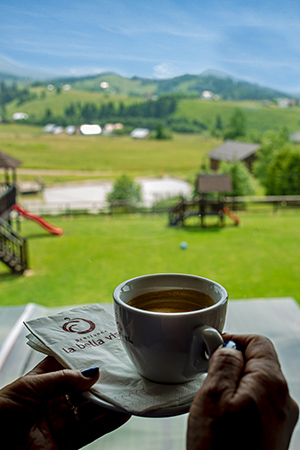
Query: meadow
x,y
257,259
101,156
259,117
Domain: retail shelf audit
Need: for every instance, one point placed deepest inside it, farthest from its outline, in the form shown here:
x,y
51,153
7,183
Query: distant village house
x,y
140,133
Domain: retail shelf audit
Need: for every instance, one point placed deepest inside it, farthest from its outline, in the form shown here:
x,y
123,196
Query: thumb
x,y
55,384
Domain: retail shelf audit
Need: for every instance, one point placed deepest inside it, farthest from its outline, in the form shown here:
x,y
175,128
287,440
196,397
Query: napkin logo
x,y
78,325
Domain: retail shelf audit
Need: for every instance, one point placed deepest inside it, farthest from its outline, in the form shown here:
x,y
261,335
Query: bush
x,y
237,125
272,143
125,189
241,178
283,174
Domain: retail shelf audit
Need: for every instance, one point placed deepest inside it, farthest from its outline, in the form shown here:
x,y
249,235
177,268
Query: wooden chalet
x,y
231,151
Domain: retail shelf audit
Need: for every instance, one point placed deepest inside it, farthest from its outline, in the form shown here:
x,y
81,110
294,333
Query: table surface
x,y
276,318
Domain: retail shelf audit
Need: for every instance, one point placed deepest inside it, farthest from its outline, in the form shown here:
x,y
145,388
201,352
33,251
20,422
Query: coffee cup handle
x,y
205,341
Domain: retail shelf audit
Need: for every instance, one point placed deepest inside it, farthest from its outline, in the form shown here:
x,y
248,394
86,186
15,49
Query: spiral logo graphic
x,y
78,325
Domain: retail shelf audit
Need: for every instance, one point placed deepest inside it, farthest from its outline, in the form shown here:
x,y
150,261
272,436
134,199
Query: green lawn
x,y
260,258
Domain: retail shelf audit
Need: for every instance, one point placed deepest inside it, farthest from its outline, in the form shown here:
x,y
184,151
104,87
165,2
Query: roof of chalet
x,y
8,162
233,150
213,183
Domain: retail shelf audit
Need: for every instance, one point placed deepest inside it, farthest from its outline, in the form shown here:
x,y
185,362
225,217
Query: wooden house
x,y
231,151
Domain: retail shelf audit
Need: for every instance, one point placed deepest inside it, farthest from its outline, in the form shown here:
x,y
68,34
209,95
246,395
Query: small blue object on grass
x,y
183,245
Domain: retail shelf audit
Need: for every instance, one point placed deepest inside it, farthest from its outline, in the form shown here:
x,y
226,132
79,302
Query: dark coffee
x,y
172,301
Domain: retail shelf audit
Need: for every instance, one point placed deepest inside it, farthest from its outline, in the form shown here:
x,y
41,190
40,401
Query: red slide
x,y
231,215
40,220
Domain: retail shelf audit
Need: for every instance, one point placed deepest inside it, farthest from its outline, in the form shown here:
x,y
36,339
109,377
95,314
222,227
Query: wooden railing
x,y
7,199
13,248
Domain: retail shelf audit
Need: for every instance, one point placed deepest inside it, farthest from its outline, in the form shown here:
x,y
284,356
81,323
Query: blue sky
x,y
258,41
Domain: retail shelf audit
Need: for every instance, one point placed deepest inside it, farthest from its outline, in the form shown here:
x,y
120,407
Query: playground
x,y
52,229
209,201
13,245
200,208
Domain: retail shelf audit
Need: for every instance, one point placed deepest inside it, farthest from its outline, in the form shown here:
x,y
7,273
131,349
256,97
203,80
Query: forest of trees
x,y
12,92
110,111
143,114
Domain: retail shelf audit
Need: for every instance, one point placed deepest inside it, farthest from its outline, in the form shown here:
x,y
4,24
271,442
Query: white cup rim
x,y
120,302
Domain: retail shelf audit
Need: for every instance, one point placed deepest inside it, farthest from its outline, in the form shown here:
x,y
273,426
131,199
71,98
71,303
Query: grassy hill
x,y
117,85
222,85
190,113
259,117
45,99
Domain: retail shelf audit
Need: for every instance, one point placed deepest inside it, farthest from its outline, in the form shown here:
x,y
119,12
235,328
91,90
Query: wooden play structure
x,y
13,246
208,202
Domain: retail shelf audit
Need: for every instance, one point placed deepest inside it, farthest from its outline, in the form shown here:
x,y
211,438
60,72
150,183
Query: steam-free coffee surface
x,y
172,301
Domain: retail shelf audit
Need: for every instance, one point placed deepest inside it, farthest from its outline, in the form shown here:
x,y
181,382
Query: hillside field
x,y
103,156
58,102
260,117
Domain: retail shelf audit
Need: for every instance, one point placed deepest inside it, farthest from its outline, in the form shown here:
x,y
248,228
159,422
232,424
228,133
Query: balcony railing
x,y
13,248
7,199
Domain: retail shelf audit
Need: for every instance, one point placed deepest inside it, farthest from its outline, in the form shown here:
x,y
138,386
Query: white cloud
x,y
163,70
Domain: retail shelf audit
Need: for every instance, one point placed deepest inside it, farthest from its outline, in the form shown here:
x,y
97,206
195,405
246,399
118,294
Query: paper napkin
x,y
87,336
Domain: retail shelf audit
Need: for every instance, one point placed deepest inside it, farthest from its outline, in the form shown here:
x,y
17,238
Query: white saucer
x,y
161,412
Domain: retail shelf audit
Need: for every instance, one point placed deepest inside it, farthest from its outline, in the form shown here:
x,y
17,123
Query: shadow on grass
x,y
207,229
7,276
211,228
39,236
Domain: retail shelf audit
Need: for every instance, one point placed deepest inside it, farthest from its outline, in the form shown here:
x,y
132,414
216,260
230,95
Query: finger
x,y
262,376
225,368
253,345
48,364
211,401
55,384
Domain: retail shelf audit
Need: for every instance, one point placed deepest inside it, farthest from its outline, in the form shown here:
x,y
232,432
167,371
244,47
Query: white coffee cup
x,y
170,347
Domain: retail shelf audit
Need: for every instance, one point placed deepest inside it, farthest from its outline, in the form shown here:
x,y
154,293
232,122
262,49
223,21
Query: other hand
x,y
244,402
35,415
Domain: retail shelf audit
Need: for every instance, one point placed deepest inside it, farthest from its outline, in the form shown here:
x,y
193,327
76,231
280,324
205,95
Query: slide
x,y
231,215
40,220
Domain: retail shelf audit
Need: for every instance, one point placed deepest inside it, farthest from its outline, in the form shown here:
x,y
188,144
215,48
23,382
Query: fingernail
x,y
230,344
91,372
